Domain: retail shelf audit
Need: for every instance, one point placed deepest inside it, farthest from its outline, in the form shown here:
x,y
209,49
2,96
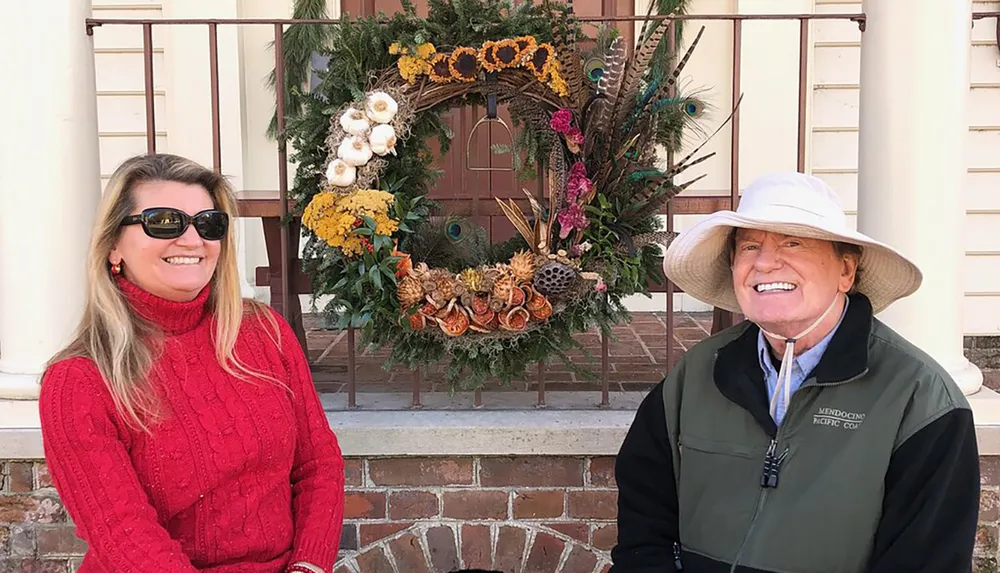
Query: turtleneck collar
x,y
173,317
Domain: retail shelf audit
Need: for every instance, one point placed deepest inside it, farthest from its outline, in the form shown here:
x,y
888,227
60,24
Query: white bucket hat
x,y
790,204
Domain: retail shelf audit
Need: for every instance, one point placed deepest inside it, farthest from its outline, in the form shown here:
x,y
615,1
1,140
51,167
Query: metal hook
x,y
491,116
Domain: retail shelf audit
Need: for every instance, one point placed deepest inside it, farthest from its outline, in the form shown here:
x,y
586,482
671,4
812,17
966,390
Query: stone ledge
x,y
571,424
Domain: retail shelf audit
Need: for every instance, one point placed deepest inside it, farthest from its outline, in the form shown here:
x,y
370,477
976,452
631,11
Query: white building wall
x,y
767,131
836,61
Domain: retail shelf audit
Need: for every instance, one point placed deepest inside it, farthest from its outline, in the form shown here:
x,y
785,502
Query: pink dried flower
x,y
601,286
574,135
578,184
561,121
572,217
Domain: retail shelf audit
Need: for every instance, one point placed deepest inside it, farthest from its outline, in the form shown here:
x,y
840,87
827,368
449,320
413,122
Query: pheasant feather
x,y
639,65
664,88
609,86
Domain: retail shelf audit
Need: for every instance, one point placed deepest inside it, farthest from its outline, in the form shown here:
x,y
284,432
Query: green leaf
x,y
364,231
376,275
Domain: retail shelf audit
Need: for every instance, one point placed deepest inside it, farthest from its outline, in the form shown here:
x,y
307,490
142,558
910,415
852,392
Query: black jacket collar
x,y
739,378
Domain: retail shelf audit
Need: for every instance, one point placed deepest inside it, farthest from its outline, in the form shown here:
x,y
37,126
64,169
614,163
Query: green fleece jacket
x,y
874,468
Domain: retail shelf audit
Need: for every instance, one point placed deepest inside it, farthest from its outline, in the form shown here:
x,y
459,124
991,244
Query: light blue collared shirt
x,y
802,365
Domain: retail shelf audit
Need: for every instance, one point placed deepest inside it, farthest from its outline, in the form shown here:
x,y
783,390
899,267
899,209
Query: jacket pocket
x,y
706,446
718,485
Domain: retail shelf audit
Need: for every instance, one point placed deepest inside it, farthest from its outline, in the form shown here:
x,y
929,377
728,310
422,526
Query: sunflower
x,y
525,46
464,65
505,53
540,61
439,69
486,57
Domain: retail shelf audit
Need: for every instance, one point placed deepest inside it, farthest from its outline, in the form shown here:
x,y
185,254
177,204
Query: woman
x,y
181,426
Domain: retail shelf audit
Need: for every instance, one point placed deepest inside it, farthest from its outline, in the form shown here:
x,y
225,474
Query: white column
x,y
913,129
49,184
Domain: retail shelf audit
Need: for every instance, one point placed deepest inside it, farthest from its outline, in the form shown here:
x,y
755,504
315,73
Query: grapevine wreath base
x,y
430,286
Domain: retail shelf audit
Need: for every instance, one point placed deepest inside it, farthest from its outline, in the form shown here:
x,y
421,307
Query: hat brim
x,y
695,261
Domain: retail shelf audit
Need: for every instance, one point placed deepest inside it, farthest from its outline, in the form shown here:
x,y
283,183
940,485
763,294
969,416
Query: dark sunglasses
x,y
167,223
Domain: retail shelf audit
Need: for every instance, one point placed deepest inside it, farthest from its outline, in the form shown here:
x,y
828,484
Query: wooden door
x,y
472,193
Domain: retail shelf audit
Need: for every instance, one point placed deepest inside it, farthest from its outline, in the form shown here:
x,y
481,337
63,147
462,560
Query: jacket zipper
x,y
769,474
772,469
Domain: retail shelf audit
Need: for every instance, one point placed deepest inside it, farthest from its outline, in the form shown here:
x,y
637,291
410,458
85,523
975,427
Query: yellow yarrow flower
x,y
426,50
332,217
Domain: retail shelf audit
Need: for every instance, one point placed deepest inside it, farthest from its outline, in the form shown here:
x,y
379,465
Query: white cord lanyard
x,y
782,388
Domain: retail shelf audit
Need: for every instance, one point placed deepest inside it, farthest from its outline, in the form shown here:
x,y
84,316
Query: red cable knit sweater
x,y
239,477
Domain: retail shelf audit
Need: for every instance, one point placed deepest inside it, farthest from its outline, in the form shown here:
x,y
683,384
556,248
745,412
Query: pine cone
x,y
523,266
503,284
444,287
409,291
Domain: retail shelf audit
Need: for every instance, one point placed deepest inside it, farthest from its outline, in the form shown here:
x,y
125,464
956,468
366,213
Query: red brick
x,y
353,472
510,549
413,504
371,532
545,554
443,548
605,536
43,566
476,504
44,479
421,471
20,479
374,561
16,508
988,505
477,546
592,504
537,504
4,535
602,472
364,505
984,564
531,471
409,554
989,470
60,540
575,529
349,537
986,540
22,540
579,560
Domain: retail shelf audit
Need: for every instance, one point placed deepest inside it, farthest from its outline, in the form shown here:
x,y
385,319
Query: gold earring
x,y
116,269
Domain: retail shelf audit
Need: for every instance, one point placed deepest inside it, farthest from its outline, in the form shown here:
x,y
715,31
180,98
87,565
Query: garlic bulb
x,y
381,108
354,122
354,151
383,139
340,174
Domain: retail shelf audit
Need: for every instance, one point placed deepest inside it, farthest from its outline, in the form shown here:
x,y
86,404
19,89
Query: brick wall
x,y
546,514
983,351
433,515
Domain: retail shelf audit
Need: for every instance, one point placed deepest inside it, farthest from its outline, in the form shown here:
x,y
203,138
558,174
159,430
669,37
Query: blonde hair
x,y
121,343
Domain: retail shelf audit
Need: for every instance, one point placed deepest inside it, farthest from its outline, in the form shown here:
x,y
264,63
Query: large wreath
x,y
428,285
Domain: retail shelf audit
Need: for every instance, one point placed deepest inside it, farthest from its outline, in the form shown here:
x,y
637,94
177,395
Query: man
x,y
811,437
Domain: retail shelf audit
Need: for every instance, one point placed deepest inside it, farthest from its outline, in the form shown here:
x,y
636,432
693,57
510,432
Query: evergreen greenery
x,y
364,287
